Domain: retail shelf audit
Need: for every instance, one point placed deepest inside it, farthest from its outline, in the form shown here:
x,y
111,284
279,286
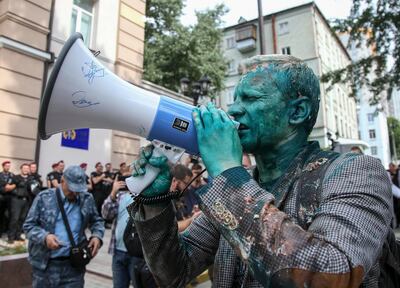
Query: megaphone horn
x,y
82,93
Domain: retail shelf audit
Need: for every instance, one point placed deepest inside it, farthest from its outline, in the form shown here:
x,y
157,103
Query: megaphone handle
x,y
137,184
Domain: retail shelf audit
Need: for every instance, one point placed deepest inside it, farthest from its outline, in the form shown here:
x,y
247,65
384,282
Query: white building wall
x,y
311,40
394,104
104,38
371,119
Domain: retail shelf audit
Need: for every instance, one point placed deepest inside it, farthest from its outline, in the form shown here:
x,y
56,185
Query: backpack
x,y
131,240
389,260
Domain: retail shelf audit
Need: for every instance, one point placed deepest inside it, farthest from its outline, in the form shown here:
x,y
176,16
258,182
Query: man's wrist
x,y
219,170
98,238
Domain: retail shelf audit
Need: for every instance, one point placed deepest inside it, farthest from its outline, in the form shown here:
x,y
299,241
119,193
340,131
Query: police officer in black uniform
x,y
35,180
108,180
52,177
20,200
6,187
97,178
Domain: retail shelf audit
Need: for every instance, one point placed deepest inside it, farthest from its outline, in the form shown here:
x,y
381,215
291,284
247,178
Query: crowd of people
x,y
110,199
302,217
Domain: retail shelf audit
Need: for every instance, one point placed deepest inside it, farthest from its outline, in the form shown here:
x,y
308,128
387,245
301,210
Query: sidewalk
x,y
99,271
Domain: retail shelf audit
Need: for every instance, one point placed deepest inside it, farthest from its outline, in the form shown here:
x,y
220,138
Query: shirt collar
x,y
64,199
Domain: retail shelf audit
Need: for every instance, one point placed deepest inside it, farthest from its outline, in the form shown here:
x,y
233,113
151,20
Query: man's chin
x,y
248,147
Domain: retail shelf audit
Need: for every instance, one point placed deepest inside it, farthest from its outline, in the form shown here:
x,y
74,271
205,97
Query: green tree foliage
x,y
394,132
173,51
375,23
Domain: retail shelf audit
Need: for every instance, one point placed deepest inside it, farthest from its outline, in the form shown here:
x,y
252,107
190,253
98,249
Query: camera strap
x,y
64,217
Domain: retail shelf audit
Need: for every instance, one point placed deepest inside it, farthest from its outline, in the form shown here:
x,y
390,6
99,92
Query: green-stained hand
x,y
218,140
161,184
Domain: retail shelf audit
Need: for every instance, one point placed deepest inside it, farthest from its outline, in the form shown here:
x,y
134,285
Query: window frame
x,y
231,40
286,49
372,132
79,12
283,30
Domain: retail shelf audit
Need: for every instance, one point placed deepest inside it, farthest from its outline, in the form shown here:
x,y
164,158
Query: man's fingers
x,y
206,116
225,117
158,162
138,168
198,123
146,151
213,111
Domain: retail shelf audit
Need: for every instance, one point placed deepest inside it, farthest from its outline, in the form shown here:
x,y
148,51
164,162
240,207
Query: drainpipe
x,y
274,33
261,27
45,73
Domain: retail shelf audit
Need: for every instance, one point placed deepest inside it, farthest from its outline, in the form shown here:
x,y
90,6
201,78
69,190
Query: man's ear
x,y
300,110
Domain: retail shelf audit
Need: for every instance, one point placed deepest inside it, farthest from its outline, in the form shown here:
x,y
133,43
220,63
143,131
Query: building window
x,y
370,117
230,43
286,50
283,28
229,95
231,67
374,150
372,134
82,19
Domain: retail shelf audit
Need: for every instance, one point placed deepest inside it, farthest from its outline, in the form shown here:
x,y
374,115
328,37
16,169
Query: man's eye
x,y
252,97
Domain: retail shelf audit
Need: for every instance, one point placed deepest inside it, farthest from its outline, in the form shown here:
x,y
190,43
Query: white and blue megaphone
x,y
82,93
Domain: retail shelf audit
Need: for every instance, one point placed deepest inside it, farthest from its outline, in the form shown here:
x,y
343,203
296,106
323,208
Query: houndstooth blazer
x,y
254,239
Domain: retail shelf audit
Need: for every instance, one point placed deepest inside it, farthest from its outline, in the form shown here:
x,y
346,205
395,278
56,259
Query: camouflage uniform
x,y
252,243
41,221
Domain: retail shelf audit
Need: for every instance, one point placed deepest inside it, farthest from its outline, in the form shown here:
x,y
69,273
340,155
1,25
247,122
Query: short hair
x,y
180,172
23,164
356,149
54,165
292,77
61,161
122,164
108,164
32,163
5,162
97,164
197,166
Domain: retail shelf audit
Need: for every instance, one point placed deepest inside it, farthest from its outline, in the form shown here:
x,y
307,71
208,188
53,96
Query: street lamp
x,y
197,89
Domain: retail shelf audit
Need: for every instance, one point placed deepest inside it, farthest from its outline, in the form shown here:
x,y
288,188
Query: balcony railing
x,y
246,38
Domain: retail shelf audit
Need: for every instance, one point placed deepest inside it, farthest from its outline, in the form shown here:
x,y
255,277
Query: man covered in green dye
x,y
306,218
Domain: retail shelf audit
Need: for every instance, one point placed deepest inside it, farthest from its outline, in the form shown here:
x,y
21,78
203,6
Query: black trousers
x,y
4,213
19,210
99,197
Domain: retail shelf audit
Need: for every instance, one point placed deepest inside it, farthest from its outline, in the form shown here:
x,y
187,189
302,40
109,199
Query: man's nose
x,y
236,110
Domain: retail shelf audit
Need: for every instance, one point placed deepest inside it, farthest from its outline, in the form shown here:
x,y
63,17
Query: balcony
x,y
246,38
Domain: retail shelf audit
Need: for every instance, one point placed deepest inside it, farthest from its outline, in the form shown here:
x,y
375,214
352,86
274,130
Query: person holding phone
x,y
49,244
114,209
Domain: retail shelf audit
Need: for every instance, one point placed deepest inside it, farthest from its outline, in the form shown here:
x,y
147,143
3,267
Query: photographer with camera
x,y
55,226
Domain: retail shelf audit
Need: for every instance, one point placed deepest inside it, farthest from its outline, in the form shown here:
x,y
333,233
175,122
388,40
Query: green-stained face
x,y
261,110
